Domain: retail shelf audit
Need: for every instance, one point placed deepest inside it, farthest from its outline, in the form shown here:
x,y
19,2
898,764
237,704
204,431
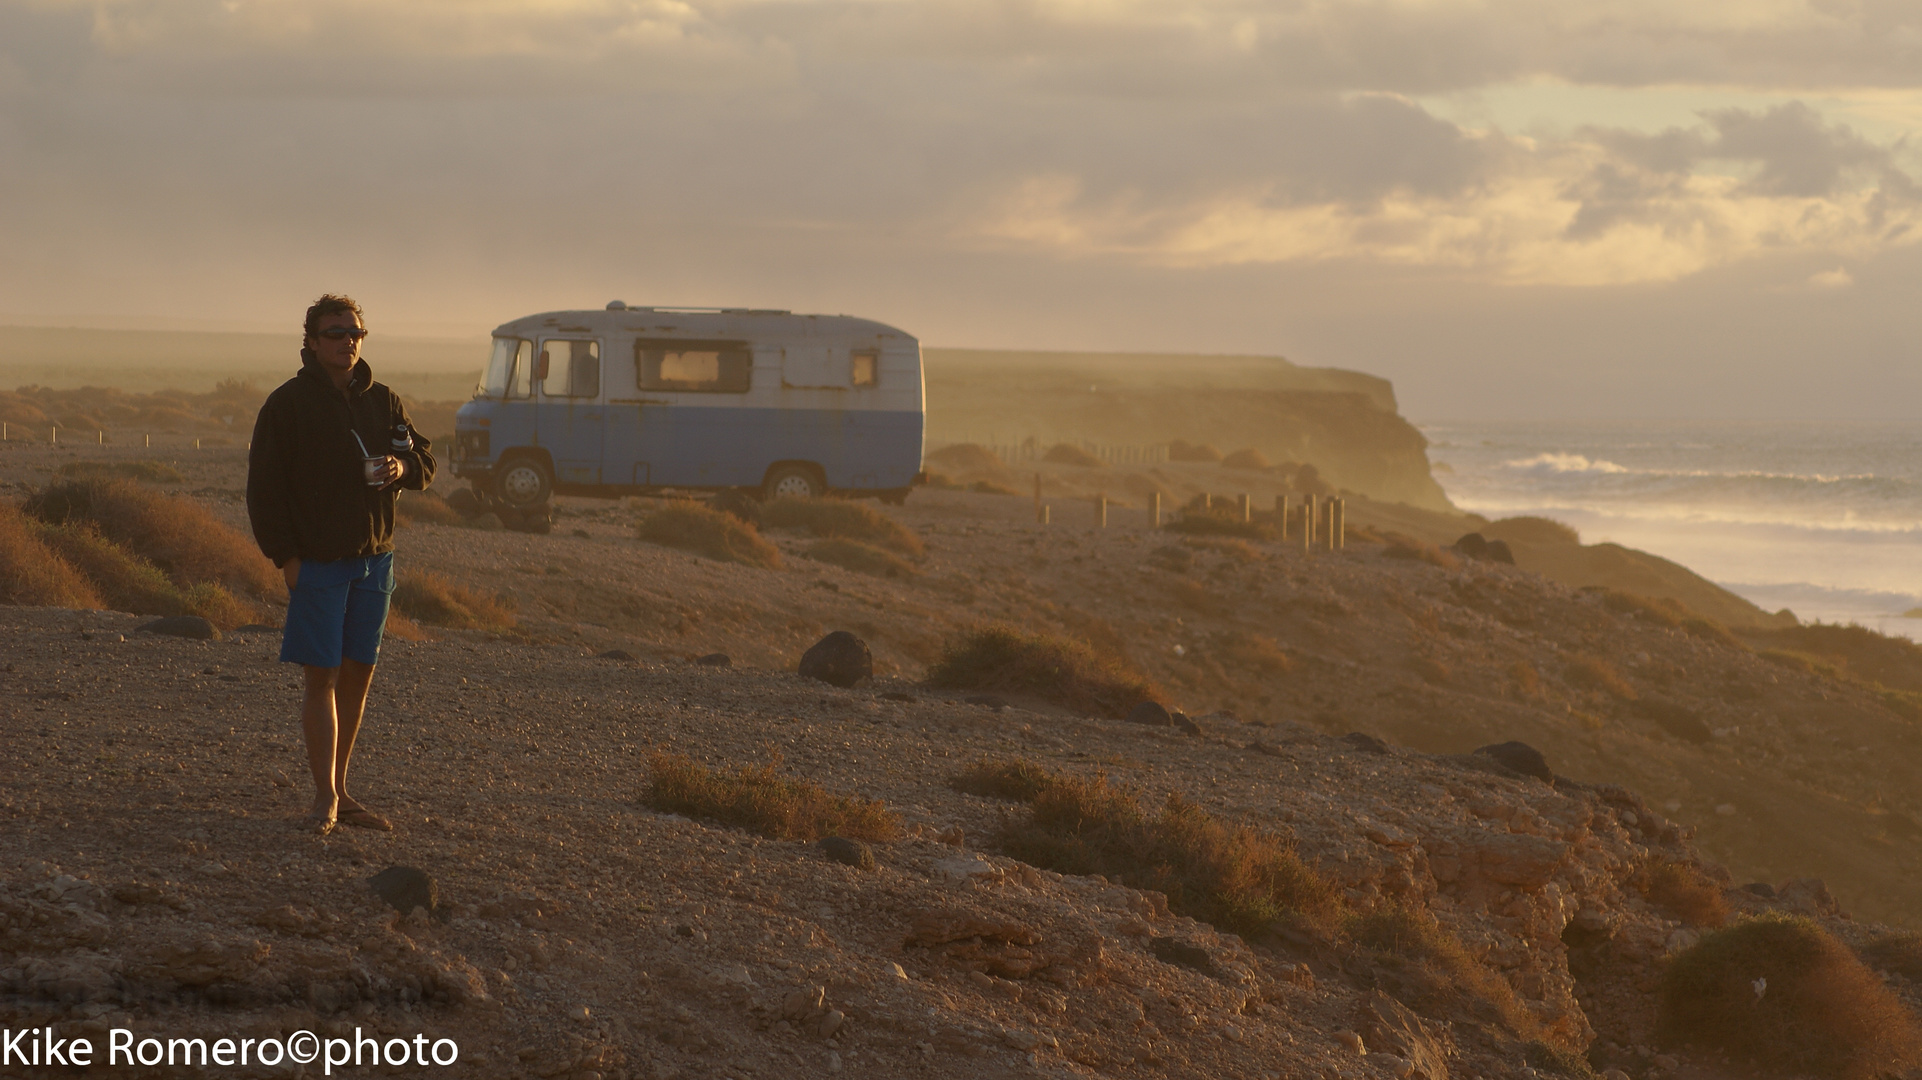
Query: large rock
x,y
851,852
840,659
1152,713
406,888
1389,1027
1520,757
1526,862
187,626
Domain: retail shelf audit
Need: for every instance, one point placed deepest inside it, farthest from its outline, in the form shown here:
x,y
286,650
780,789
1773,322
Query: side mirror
x,y
540,369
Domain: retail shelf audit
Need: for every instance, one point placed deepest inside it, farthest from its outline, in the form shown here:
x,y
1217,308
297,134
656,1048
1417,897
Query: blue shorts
x,y
338,609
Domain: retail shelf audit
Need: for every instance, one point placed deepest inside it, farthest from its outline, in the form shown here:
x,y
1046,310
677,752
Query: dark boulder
x,y
1185,954
1361,740
1520,757
1182,721
851,852
840,659
714,659
1498,551
616,654
1151,713
1474,545
187,626
406,888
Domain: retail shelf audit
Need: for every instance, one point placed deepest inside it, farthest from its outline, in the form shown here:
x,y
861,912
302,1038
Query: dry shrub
x,y
1523,677
1708,629
1802,662
1595,673
1182,450
425,508
1407,547
435,599
1821,1011
32,574
1011,778
843,520
1256,651
1239,550
1248,458
1684,891
401,627
1662,611
1869,656
1898,951
762,801
124,580
152,472
176,533
1065,672
1531,530
1195,596
1433,969
967,458
858,557
1070,454
710,533
1234,876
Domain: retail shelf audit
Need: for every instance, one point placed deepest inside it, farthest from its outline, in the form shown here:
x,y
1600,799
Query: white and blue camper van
x,y
635,399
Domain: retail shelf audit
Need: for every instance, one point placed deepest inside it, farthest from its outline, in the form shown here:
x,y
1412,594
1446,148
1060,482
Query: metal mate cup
x,y
375,470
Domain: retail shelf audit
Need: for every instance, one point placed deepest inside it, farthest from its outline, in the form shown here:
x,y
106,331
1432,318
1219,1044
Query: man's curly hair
x,y
330,304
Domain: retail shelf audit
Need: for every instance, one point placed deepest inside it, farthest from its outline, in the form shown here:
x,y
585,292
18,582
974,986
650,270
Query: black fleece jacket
x,y
306,495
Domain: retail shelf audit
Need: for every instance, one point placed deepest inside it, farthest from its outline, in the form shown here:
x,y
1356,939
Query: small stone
x,y
832,1022
981,979
839,659
834,1061
1023,1041
1181,721
714,659
850,852
406,888
186,626
616,654
898,972
800,1003
1520,757
1152,713
581,1013
1351,1040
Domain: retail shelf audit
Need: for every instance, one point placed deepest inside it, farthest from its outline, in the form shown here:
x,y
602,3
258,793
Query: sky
x,y
1605,209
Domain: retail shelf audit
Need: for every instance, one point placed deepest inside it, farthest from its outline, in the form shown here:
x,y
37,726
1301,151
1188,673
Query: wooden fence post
x,y
1154,509
1338,526
1307,523
1046,514
1245,511
1037,495
53,435
1101,511
1281,517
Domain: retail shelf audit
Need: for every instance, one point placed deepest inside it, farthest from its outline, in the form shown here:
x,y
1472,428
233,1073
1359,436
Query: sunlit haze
x,y
1513,210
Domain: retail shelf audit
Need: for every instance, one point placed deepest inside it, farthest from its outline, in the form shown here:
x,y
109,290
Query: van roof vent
x,y
616,305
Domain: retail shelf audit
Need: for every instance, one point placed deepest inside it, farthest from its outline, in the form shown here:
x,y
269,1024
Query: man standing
x,y
331,450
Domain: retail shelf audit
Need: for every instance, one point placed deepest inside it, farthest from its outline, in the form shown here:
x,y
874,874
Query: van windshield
x,y
510,369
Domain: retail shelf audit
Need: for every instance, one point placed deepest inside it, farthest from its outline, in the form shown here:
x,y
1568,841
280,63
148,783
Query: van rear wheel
x,y
793,482
524,482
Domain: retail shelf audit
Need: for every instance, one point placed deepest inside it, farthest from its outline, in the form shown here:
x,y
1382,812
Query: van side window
x,y
715,367
865,366
509,370
570,368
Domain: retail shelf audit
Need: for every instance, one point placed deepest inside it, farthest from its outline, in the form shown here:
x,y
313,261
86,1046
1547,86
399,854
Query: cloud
x,y
1838,278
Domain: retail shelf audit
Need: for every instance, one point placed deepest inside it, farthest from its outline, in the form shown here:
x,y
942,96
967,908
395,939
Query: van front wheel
x,y
793,482
524,482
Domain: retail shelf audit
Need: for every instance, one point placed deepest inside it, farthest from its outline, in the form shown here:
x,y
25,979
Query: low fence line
x,y
1031,451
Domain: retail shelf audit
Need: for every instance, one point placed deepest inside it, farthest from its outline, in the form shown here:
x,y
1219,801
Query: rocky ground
x,y
157,883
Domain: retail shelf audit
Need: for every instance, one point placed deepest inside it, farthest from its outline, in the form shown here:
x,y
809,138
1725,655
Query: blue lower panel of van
x,y
705,447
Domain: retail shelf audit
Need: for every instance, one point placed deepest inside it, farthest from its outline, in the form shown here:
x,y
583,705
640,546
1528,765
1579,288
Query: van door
x,y
570,412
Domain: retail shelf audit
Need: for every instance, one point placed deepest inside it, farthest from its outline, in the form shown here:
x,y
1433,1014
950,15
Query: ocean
x,y
1824,519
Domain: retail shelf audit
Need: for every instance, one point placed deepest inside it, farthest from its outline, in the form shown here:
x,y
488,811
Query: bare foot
x,y
320,822
353,813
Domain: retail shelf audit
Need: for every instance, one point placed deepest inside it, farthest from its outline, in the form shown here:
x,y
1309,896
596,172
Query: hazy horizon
x,y
1510,209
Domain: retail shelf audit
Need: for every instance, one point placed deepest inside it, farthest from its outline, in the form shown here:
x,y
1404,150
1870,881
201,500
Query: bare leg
x,y
350,701
319,727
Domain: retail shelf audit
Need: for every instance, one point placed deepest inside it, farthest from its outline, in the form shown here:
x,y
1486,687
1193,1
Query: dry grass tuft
x,y
858,557
1238,648
123,579
1432,671
1434,970
1858,652
1531,530
1595,673
1821,1011
1247,458
151,472
1899,951
425,508
839,519
33,574
1231,875
1011,778
1524,679
710,533
1239,550
1065,672
1684,891
1404,547
435,599
762,801
179,535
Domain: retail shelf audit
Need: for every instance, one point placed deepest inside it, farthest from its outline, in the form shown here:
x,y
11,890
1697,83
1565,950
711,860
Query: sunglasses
x,y
337,333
